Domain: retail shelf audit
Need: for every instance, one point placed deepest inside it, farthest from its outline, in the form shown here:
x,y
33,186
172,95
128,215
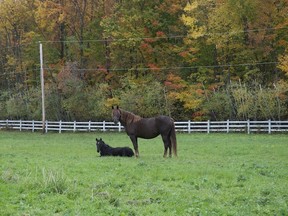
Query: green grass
x,y
214,174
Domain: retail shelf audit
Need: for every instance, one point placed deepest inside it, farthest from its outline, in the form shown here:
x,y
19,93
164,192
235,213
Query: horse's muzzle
x,y
115,120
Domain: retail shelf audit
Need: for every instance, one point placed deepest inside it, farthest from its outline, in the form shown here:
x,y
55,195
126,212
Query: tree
x,y
191,51
141,36
188,97
146,97
16,26
236,32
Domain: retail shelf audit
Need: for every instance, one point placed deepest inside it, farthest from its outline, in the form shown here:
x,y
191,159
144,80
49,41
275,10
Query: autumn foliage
x,y
198,59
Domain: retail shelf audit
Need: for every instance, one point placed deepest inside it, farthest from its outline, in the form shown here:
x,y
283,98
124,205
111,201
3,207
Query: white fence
x,y
181,126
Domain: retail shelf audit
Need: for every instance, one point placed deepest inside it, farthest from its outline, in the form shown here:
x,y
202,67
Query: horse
x,y
106,150
147,128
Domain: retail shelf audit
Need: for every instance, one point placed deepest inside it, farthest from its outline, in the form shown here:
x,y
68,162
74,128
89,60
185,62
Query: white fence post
x,y
60,126
74,127
189,126
20,124
208,126
227,125
119,126
248,126
46,126
89,126
269,126
33,126
103,128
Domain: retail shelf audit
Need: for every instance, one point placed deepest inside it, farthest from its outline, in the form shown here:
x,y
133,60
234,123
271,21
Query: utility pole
x,y
42,87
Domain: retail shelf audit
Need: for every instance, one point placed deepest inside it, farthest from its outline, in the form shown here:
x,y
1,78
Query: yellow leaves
x,y
192,96
283,63
62,17
188,20
13,13
197,32
192,20
112,102
189,98
50,14
28,37
11,60
191,6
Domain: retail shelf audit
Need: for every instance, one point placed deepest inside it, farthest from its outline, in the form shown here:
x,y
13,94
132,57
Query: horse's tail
x,y
173,139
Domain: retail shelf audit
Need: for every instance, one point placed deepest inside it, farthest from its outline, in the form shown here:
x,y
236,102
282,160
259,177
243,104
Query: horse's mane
x,y
129,117
103,145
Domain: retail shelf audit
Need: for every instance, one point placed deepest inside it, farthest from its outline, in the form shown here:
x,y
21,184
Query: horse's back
x,y
164,123
122,151
151,127
164,119
128,152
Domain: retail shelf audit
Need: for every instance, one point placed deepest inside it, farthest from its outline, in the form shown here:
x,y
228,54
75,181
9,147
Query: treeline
x,y
198,59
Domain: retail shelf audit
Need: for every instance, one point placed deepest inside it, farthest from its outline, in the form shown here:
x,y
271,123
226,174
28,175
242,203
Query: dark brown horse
x,y
106,150
147,128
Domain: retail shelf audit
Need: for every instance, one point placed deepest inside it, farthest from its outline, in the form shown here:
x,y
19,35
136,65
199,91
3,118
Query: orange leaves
x,y
174,82
100,75
153,67
149,40
192,96
170,6
160,34
184,54
146,47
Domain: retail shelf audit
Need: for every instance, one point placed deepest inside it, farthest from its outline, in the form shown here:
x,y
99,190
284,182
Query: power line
x,y
175,68
20,45
147,68
163,37
141,38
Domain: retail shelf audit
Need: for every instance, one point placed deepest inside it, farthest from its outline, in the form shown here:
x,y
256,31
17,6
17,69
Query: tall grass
x,y
215,174
54,181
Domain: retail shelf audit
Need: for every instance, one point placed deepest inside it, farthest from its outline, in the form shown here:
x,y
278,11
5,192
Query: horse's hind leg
x,y
167,145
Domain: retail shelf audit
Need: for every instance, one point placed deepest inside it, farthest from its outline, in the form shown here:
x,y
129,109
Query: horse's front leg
x,y
135,145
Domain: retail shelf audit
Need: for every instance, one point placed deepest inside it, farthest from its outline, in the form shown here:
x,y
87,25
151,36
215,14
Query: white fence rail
x,y
181,126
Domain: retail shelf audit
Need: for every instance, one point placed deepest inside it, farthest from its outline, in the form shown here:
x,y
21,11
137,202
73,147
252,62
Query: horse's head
x,y
116,114
99,143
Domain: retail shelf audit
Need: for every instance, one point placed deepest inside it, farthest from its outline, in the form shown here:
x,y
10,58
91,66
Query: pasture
x,y
214,174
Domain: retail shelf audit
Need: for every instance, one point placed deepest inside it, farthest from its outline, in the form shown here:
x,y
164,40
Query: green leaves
x,y
204,43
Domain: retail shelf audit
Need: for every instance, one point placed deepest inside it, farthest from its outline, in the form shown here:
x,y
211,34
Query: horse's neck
x,y
128,117
105,147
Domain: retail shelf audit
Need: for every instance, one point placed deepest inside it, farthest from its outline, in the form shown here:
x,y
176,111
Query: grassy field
x,y
214,174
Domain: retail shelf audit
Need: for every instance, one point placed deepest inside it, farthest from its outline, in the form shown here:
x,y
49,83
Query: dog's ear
x,y
97,140
100,139
117,107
